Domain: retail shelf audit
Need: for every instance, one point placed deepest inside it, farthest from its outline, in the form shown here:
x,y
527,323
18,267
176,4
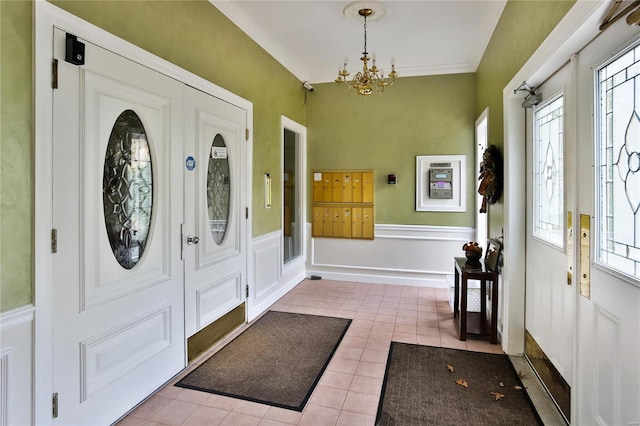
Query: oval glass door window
x,y
218,189
127,188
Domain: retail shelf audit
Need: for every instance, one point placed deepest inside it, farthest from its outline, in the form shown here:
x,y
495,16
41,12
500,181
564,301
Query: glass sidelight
x,y
292,223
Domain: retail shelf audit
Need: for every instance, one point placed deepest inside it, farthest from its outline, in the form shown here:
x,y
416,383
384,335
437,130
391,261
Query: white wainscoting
x,y
271,280
399,254
16,335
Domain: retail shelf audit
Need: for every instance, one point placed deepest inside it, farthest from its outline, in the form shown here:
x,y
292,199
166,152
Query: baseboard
x,y
16,366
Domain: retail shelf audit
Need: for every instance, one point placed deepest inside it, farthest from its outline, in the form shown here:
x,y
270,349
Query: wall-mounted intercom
x,y
440,181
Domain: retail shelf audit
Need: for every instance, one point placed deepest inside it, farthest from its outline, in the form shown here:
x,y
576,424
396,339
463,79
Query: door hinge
x,y
246,212
247,290
54,240
54,74
54,405
246,134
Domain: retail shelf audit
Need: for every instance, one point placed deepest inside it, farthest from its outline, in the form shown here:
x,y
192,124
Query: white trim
x,y
575,30
16,366
481,219
399,254
16,316
264,40
5,373
46,17
301,151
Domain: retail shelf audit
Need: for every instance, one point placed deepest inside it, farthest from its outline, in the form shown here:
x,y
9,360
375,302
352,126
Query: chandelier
x,y
370,79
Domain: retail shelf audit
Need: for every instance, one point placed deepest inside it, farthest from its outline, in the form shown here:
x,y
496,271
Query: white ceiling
x,y
312,37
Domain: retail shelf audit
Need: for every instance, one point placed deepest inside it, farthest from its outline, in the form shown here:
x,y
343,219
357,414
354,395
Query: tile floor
x,y
349,390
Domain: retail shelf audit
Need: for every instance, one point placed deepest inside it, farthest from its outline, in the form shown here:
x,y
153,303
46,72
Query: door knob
x,y
192,240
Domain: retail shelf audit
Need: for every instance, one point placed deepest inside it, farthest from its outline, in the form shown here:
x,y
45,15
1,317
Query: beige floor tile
x,y
334,379
328,397
175,412
361,403
370,355
370,369
315,415
150,407
365,384
283,415
348,352
239,419
251,408
207,416
348,418
343,365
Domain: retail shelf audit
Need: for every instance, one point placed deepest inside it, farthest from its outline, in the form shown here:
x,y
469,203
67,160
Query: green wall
x,y
16,155
523,26
191,34
385,132
417,116
196,36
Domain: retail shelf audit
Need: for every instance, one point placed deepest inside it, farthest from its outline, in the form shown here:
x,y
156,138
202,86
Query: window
x,y
548,172
618,164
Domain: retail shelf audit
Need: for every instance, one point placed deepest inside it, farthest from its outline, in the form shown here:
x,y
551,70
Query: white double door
x,y
589,327
119,207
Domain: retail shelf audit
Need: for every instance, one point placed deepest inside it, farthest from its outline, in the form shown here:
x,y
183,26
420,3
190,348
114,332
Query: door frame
x,y
301,153
575,30
46,17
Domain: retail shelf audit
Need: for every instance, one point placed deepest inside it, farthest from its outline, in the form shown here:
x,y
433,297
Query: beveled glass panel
x,y
127,189
618,167
218,189
548,167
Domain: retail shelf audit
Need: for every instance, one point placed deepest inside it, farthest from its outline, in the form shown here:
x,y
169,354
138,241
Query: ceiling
x,y
311,38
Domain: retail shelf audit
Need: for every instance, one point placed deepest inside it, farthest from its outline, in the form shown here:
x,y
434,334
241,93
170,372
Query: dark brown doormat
x,y
420,389
276,361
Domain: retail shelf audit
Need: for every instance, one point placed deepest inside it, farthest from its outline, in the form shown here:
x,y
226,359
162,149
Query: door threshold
x,y
546,408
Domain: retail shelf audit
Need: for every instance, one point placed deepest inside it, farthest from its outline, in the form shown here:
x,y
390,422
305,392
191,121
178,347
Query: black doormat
x,y
276,361
420,389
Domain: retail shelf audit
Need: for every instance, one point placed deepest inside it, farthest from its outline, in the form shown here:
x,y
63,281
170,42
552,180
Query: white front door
x,y
118,317
608,308
550,296
216,214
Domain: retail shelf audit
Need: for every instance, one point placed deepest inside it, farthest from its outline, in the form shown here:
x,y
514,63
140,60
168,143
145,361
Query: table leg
x,y
456,293
494,309
463,307
483,306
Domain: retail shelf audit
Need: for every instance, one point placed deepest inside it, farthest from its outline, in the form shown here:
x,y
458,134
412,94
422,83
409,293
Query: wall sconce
x,y
267,191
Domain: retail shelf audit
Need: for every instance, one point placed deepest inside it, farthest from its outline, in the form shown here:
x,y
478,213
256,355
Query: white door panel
x,y
118,331
215,202
608,332
549,299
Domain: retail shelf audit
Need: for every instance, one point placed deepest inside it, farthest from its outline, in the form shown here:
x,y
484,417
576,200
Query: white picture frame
x,y
458,202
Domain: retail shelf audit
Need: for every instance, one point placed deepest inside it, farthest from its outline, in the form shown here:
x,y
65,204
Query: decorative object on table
x,y
490,177
473,252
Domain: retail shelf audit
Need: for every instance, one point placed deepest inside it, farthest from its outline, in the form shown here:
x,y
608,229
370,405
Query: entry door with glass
x,y
550,296
118,322
608,278
216,215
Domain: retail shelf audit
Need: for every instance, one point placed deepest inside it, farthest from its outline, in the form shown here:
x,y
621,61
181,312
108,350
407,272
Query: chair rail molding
x,y
418,255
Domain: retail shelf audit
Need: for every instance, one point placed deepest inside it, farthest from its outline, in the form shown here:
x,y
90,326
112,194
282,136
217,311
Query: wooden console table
x,y
475,322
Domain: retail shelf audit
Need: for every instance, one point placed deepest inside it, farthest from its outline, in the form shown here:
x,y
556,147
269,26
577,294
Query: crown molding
x,y
264,40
